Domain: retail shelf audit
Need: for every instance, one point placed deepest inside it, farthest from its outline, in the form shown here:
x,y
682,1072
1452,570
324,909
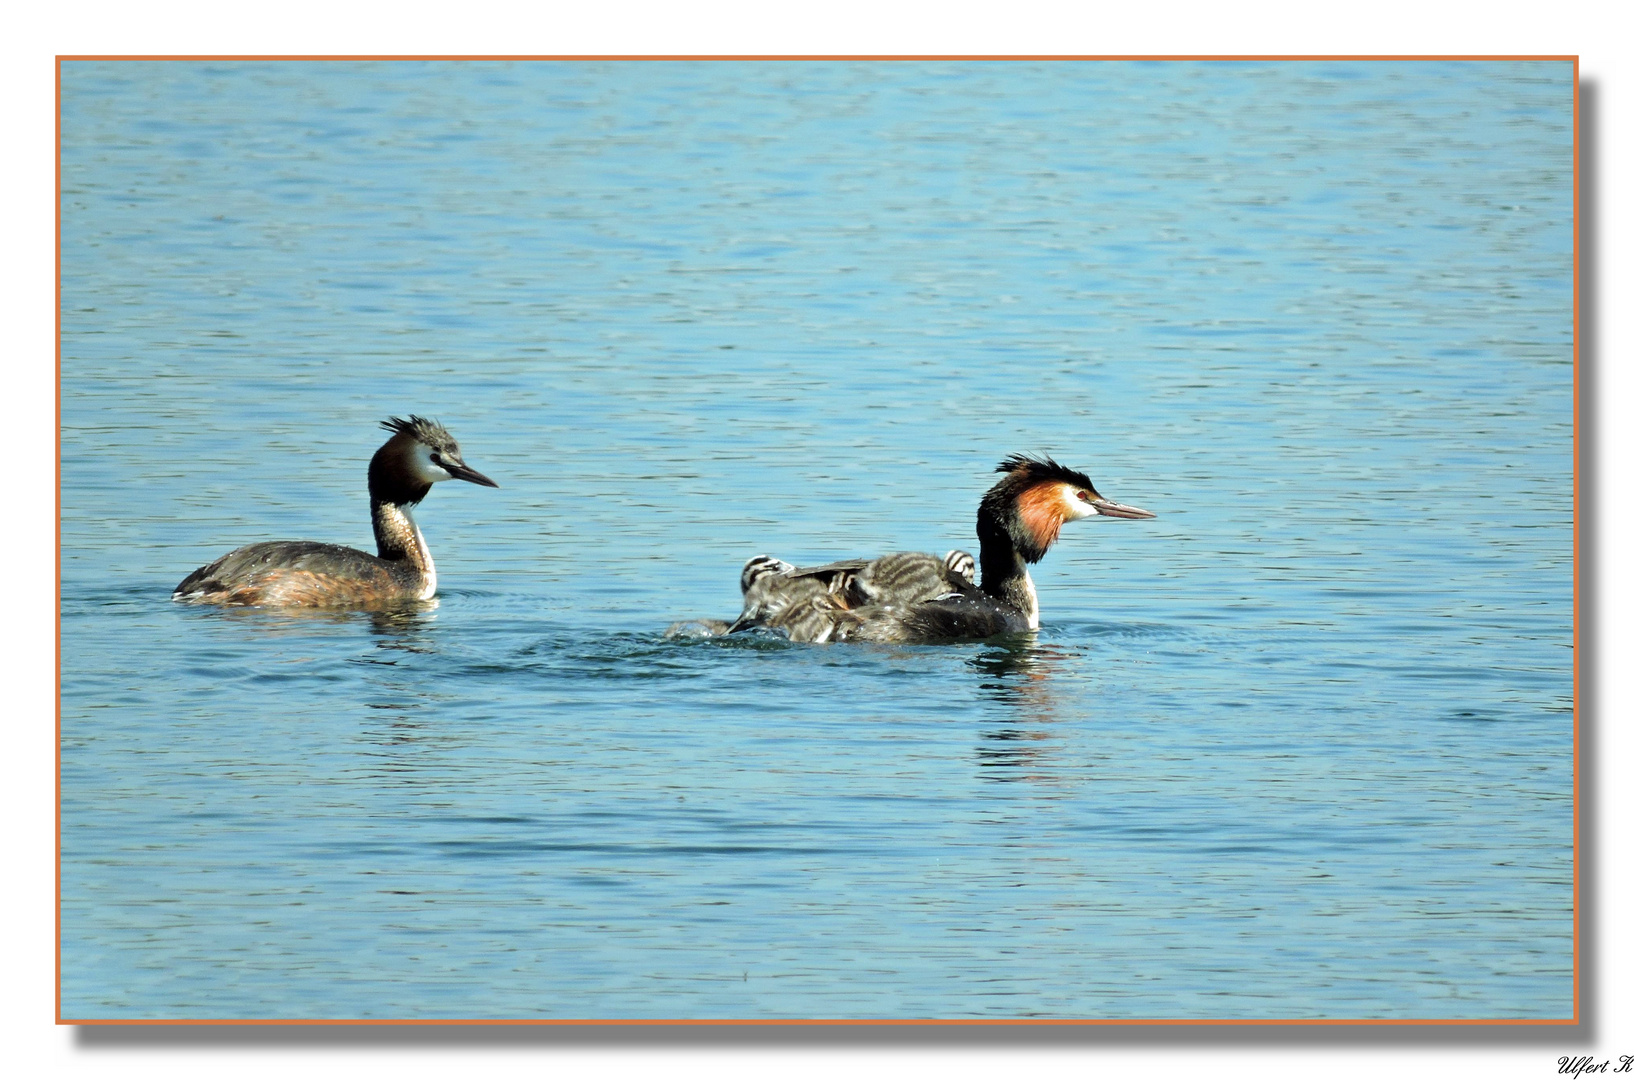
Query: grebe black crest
x,y
302,573
915,597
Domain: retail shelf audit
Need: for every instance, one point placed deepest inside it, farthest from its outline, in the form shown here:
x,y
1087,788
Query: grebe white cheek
x,y
424,468
1077,503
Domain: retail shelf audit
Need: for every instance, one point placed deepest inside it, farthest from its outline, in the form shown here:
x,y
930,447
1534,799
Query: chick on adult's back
x,y
304,573
912,597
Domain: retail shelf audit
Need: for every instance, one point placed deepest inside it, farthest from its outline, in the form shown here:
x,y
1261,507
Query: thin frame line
x,y
1575,1015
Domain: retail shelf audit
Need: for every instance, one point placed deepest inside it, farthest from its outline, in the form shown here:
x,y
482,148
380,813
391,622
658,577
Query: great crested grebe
x,y
912,597
303,573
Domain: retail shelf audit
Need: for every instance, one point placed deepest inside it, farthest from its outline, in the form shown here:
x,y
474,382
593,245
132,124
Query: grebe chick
x,y
803,602
302,573
911,597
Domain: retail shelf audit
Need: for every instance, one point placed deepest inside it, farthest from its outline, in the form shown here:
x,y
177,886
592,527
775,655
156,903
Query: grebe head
x,y
419,453
961,563
760,566
1038,496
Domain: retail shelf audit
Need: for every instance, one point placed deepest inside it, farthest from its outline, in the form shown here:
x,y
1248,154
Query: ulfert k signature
x,y
1577,1066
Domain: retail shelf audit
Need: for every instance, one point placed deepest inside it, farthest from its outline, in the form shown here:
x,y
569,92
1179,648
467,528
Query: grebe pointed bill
x,y
304,573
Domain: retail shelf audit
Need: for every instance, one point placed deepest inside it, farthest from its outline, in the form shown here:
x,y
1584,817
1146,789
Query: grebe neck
x,y
400,541
1004,571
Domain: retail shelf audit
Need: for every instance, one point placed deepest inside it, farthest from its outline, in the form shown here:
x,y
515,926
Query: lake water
x,y
1299,747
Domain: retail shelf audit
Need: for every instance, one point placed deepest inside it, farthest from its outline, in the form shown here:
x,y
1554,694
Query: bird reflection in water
x,y
395,710
1019,675
411,743
400,625
406,627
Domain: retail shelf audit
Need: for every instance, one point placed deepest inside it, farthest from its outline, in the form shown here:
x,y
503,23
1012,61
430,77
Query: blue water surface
x,y
1299,747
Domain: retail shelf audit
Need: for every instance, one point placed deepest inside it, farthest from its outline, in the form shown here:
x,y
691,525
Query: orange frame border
x,y
1577,283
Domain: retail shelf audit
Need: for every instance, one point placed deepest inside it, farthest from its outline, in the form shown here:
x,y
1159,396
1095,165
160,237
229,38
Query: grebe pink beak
x,y
1108,508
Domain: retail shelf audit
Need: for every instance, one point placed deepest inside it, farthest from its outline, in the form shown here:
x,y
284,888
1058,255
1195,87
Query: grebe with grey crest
x,y
304,573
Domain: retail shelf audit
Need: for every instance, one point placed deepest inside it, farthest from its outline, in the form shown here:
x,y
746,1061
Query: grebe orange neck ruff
x,y
303,573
